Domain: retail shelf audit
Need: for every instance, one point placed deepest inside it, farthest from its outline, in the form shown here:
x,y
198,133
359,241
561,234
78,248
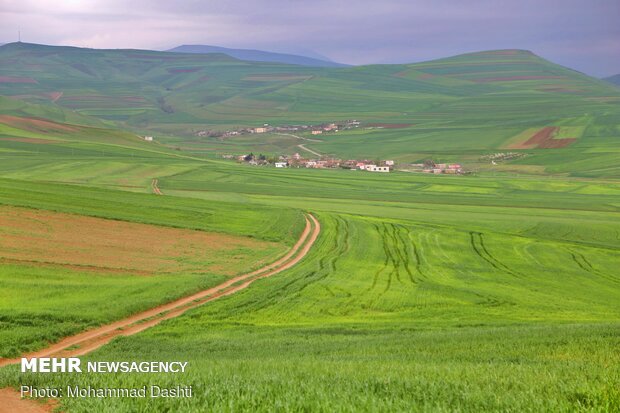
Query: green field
x,y
495,291
459,108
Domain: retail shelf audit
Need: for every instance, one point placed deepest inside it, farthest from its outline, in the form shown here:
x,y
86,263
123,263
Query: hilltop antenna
x,y
19,35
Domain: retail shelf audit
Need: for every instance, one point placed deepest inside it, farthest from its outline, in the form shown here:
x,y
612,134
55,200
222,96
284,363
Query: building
x,y
260,130
317,132
148,138
360,165
375,168
281,164
389,163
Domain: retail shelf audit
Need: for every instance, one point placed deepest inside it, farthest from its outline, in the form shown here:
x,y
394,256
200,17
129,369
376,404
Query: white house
x,y
281,164
389,163
374,168
148,138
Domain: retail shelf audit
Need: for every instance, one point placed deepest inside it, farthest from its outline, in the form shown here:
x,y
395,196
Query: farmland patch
x,y
79,242
548,137
36,124
17,79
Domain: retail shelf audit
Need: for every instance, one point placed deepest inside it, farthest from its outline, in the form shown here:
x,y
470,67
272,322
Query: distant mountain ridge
x,y
615,79
257,55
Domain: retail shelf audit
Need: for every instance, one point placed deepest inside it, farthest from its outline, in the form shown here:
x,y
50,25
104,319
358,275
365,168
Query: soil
x,y
11,402
36,124
543,139
13,79
107,246
90,340
83,343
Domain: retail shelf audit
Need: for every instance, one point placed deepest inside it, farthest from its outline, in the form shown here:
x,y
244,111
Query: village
x,y
266,128
382,166
325,162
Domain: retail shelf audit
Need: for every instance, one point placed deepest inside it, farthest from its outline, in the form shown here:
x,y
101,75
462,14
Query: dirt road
x,y
11,402
299,137
302,146
83,343
155,188
90,340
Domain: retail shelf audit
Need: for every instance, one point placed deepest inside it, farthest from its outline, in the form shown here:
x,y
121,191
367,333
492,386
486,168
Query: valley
x,y
492,291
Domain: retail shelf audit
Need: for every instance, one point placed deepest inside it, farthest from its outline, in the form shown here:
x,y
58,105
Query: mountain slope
x,y
615,79
257,55
454,109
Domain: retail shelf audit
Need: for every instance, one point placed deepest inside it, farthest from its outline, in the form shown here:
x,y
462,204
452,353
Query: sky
x,y
581,34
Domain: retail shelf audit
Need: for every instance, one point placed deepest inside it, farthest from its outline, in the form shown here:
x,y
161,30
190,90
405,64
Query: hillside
x,y
453,109
257,55
615,79
495,291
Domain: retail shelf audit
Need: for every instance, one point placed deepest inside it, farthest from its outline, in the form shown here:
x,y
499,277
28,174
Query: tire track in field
x,y
296,285
585,265
418,260
90,340
404,252
155,188
477,243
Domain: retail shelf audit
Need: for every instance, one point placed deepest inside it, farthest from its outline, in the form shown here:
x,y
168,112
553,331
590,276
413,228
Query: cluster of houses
x,y
430,167
443,168
297,161
266,128
501,156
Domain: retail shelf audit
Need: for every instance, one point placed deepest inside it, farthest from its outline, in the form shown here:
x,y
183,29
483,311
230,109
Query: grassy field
x,y
394,316
459,108
496,291
73,286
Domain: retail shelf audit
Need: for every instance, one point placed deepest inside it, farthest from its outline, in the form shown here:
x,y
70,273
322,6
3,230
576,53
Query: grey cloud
x,y
583,34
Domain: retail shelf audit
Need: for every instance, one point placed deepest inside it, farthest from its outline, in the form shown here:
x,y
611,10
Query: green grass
x,y
460,107
497,291
393,317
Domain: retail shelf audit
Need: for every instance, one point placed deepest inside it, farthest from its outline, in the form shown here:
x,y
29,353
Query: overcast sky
x,y
582,34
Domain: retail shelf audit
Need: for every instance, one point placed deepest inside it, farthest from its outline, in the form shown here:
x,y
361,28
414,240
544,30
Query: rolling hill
x,y
615,79
454,109
257,55
496,291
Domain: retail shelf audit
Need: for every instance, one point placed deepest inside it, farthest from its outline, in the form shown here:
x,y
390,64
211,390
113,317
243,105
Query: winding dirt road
x,y
302,146
90,340
155,188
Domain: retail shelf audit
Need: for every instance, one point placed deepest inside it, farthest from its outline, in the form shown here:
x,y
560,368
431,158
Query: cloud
x,y
583,34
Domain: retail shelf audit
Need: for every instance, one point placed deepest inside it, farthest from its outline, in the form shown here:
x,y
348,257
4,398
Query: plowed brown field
x,y
37,237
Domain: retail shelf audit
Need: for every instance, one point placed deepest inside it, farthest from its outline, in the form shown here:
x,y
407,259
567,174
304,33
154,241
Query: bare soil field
x,y
36,125
11,402
13,79
543,139
84,343
37,237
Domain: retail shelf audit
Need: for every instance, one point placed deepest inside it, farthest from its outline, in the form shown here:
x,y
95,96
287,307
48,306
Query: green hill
x,y
615,79
484,292
453,109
